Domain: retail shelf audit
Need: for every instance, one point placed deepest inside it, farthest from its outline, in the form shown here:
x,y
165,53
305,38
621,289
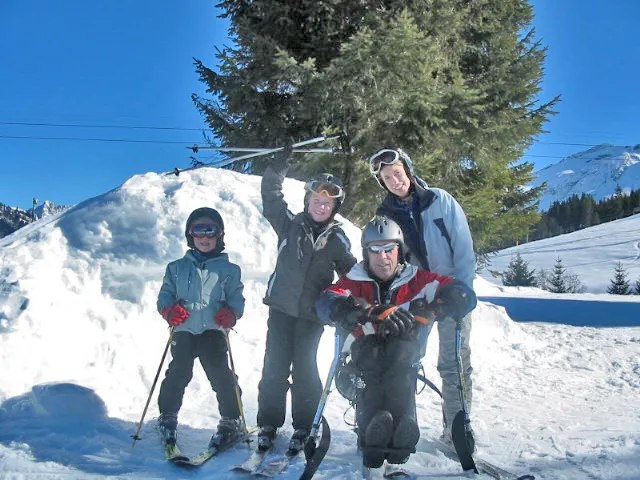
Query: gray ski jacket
x,y
203,288
305,266
445,245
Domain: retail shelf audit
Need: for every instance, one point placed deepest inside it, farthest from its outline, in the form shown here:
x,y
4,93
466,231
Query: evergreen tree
x,y
573,284
455,83
636,288
518,273
619,283
560,279
542,279
556,281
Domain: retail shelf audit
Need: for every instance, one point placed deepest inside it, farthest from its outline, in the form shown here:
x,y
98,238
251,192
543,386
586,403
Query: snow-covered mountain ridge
x,y
12,219
597,172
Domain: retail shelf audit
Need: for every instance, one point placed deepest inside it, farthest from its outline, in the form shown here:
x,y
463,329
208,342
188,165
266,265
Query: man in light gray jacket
x,y
201,296
437,234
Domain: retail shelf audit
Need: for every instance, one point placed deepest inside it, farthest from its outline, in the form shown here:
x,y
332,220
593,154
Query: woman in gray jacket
x,y
311,247
201,296
437,234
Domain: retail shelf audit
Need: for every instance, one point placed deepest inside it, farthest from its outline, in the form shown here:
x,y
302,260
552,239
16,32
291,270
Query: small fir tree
x,y
573,283
636,288
518,273
557,282
542,279
619,282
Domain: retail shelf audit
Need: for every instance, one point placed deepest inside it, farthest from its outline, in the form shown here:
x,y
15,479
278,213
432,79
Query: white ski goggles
x,y
386,248
385,156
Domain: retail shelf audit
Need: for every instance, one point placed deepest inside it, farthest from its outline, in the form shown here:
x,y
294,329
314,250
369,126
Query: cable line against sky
x,y
189,129
164,142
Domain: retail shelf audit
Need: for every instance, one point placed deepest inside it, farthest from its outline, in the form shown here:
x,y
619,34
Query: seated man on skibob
x,y
382,303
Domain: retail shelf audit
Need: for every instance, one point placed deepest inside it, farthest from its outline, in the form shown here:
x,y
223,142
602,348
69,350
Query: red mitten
x,y
175,314
226,317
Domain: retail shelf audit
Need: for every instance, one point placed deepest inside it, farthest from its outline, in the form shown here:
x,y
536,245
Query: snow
x,y
591,253
80,343
597,172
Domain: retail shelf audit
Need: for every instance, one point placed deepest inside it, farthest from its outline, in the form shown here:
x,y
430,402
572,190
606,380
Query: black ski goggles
x,y
383,157
330,190
204,230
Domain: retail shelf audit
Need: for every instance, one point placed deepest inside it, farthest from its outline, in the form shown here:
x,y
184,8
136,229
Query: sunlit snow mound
x,y
78,292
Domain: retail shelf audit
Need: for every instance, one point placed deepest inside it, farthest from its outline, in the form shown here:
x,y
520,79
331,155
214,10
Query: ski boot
x,y
405,437
377,436
297,441
266,436
168,425
229,431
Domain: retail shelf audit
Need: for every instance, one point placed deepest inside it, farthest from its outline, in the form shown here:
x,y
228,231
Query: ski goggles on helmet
x,y
386,156
386,248
330,190
204,230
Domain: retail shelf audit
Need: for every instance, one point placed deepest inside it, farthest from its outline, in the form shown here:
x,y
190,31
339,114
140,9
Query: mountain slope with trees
x,y
599,172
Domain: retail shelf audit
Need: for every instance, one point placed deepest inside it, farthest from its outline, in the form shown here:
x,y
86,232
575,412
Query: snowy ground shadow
x,y
68,424
579,313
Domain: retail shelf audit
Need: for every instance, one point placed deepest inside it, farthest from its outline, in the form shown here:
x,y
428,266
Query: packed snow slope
x,y
80,343
591,253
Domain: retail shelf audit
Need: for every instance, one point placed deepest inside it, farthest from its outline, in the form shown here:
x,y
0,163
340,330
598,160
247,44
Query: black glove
x,y
282,159
421,308
350,313
456,300
392,320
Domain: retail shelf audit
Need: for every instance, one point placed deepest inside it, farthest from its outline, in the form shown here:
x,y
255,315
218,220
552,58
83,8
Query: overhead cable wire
x,y
75,139
122,127
187,129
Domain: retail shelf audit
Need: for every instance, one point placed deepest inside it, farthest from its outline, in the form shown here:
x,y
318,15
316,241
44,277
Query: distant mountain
x,y
12,219
597,171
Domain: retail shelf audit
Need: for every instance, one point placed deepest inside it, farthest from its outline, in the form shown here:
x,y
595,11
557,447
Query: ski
x,y
396,471
275,463
209,453
269,463
173,453
499,473
484,466
252,463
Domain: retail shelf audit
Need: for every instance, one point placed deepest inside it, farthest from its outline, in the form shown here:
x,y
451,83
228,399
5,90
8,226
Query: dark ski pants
x,y
211,348
389,370
292,345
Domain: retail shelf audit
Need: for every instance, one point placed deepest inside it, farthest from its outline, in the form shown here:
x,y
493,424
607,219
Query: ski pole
x,y
461,425
195,149
327,388
313,453
245,432
136,436
267,151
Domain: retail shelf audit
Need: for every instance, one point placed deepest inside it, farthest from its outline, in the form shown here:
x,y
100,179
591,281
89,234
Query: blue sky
x,y
129,64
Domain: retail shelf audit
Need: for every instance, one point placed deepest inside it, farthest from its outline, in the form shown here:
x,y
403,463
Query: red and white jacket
x,y
410,284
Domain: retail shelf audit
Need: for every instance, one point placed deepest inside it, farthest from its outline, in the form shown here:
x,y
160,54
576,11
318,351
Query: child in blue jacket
x,y
201,296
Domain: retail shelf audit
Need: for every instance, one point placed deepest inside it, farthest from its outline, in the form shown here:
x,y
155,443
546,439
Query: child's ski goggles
x,y
204,230
387,247
330,190
386,156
